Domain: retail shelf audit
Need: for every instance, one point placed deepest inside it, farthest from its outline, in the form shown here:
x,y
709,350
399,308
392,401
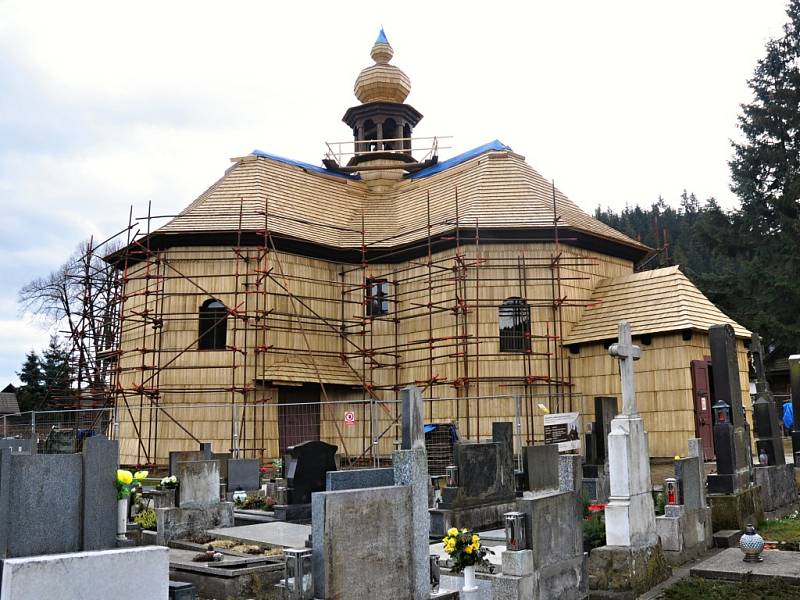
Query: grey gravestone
x,y
188,456
100,460
769,435
17,445
541,467
411,469
199,481
309,463
569,473
356,479
375,563
687,471
413,435
45,504
243,474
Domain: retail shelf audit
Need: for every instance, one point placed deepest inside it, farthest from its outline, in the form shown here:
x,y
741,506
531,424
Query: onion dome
x,y
382,82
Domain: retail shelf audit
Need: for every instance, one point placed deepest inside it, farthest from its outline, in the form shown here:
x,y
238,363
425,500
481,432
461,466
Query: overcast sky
x,y
104,106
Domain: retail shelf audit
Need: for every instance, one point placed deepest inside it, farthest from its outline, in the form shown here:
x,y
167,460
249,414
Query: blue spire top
x,y
382,37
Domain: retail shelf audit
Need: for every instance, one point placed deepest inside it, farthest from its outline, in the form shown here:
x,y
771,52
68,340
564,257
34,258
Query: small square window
x,y
377,297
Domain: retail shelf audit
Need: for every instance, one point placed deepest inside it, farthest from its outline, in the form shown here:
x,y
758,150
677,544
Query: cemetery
x,y
500,524
392,377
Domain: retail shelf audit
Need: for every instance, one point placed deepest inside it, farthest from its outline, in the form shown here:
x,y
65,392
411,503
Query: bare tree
x,y
81,297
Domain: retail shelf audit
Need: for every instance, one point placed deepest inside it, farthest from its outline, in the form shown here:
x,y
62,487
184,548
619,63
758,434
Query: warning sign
x,y
349,418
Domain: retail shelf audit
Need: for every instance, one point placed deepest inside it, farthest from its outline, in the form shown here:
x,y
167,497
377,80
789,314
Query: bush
x,y
256,503
146,519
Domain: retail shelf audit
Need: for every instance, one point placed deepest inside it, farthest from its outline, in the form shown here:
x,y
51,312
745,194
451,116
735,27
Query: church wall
x,y
215,378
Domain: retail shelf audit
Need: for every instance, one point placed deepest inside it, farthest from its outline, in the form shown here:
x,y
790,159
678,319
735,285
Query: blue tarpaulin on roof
x,y
302,165
457,160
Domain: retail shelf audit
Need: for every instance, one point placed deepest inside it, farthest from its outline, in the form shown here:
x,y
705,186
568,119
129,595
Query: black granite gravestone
x,y
731,438
794,378
308,464
595,468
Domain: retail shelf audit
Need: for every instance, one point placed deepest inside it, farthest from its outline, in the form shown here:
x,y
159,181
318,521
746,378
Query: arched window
x,y
213,325
515,325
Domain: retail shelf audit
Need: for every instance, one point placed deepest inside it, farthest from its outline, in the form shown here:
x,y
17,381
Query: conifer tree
x,y
32,391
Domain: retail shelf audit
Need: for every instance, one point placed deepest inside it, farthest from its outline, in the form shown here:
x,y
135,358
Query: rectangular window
x,y
377,297
515,325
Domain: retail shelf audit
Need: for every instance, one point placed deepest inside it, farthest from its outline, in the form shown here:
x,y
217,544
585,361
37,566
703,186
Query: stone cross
x,y
626,353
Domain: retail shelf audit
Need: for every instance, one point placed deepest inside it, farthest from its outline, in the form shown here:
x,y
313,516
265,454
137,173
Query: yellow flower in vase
x,y
124,477
452,531
469,549
139,475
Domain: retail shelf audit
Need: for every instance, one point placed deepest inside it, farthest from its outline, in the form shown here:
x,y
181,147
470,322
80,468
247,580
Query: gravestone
x,y
632,559
411,469
412,420
685,528
554,565
734,501
356,479
309,463
243,474
375,562
56,503
486,485
768,433
595,469
540,464
204,453
199,481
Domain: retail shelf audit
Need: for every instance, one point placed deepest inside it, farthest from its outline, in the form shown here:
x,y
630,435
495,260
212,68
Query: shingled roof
x,y
654,301
496,188
8,403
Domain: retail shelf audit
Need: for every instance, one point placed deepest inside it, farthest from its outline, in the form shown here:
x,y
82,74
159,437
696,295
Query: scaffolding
x,y
446,298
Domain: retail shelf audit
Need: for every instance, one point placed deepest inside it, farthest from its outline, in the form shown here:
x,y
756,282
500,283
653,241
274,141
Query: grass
x,y
781,530
697,588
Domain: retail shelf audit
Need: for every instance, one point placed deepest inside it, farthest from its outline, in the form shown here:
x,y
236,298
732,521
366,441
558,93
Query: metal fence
x,y
366,431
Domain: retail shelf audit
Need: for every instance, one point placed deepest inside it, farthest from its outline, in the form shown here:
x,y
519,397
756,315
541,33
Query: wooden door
x,y
703,420
298,415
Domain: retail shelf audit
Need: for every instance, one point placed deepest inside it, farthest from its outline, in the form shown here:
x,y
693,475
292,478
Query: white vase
x,y
122,518
469,579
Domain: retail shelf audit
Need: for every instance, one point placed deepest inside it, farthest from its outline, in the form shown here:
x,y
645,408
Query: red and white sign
x,y
349,418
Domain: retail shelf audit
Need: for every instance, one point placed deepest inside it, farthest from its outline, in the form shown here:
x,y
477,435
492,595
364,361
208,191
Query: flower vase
x,y
122,518
469,579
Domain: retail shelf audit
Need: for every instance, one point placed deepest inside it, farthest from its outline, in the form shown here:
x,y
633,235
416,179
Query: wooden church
x,y
292,301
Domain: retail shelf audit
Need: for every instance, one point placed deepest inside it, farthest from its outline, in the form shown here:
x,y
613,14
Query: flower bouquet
x,y
169,483
129,483
465,550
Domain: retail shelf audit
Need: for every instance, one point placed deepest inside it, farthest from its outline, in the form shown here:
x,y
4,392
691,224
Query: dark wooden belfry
x,y
383,123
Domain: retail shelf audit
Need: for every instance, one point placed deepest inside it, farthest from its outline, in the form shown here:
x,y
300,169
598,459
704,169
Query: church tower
x,y
383,123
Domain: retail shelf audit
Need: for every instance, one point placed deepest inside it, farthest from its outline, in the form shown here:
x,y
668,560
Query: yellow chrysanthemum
x,y
139,475
475,538
452,531
464,530
124,477
468,549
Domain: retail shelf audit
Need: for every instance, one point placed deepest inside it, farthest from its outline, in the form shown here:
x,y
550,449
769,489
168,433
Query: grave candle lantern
x,y
452,476
722,412
516,538
672,489
297,573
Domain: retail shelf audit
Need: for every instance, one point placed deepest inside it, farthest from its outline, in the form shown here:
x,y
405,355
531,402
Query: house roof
x,y
654,301
496,189
8,404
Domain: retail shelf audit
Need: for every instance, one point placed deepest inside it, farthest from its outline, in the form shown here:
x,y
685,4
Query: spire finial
x,y
382,51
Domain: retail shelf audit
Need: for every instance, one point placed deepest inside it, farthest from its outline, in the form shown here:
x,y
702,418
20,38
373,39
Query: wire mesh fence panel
x,y
58,431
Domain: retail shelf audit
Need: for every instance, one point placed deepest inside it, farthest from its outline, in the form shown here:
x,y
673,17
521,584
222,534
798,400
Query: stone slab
x,y
729,565
570,473
94,575
100,460
179,523
356,479
278,534
199,483
45,503
541,467
378,562
626,570
413,435
5,509
778,488
727,538
553,526
473,517
188,456
518,563
687,471
243,474
411,469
